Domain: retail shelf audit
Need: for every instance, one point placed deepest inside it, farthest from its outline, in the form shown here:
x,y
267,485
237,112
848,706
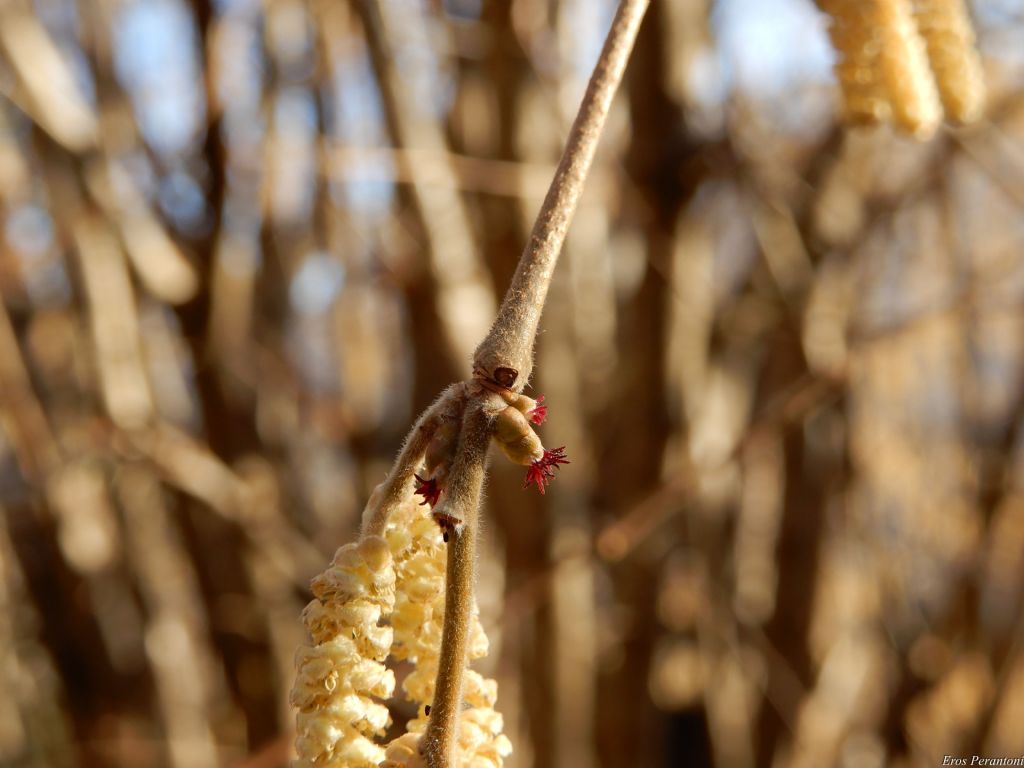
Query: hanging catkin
x,y
906,61
855,35
949,37
904,69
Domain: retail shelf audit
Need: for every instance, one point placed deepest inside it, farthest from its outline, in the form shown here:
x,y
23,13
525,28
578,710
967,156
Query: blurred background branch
x,y
244,243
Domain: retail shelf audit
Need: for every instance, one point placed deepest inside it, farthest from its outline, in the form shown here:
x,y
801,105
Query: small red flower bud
x,y
428,489
538,414
542,471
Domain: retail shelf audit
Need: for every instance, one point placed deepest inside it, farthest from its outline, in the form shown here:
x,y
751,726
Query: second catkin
x,y
906,61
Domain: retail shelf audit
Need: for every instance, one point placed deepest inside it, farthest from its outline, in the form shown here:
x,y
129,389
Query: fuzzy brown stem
x,y
464,488
395,488
441,737
510,340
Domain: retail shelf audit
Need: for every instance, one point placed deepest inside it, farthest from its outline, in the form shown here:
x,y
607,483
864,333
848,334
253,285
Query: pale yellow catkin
x,y
949,37
385,597
418,550
904,71
906,61
341,677
856,37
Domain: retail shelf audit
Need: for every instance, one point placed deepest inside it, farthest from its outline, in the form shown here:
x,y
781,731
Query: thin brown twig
x,y
439,745
515,328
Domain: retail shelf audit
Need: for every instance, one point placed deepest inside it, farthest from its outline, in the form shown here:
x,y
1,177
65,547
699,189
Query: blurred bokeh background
x,y
243,243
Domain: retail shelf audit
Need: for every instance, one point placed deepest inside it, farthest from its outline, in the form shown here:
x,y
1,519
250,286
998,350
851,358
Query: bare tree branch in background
x,y
242,245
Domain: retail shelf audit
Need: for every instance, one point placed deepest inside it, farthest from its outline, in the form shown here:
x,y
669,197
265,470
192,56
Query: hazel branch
x,y
511,338
459,513
450,440
395,488
502,365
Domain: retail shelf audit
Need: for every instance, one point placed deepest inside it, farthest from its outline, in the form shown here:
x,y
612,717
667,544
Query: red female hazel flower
x,y
539,413
542,471
428,489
